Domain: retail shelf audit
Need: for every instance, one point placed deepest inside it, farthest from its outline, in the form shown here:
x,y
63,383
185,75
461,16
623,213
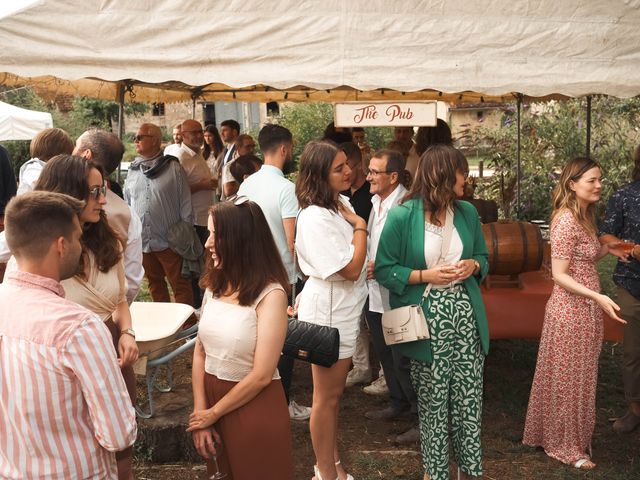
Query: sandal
x,y
316,471
584,464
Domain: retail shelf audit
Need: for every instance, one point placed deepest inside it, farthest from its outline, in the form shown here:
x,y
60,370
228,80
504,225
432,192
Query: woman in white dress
x,y
331,245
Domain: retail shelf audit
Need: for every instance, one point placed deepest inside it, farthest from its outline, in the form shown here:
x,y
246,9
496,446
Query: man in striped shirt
x,y
64,407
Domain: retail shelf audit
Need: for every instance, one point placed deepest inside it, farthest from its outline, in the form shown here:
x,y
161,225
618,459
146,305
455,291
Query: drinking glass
x,y
627,246
218,475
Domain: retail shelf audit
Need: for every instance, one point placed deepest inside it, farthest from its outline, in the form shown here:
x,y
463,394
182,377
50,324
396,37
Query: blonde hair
x,y
563,197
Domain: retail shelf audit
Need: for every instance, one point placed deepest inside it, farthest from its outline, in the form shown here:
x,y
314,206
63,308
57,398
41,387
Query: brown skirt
x,y
256,438
129,380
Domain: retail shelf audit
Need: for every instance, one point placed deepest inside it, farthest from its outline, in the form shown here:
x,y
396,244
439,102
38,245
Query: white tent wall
x,y
21,124
491,47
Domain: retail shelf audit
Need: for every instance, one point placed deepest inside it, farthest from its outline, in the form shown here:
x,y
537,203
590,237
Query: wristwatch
x,y
128,331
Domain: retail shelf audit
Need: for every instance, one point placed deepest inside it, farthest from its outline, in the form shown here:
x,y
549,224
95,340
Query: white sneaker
x,y
298,412
377,387
358,375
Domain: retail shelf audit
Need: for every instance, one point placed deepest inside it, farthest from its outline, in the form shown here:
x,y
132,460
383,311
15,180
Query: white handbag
x,y
408,323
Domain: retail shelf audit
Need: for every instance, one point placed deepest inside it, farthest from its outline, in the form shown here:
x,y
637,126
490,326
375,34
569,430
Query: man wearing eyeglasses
x,y
384,174
201,183
157,190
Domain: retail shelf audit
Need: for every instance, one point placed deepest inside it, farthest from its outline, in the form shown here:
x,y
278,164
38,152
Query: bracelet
x,y
361,230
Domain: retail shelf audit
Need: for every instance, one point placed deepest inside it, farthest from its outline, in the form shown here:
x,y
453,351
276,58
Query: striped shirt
x,y
64,407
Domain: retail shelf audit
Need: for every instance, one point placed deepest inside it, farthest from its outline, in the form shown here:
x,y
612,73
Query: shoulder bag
x,y
408,323
317,344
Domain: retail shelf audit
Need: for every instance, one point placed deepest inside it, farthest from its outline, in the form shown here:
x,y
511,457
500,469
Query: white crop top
x,y
228,333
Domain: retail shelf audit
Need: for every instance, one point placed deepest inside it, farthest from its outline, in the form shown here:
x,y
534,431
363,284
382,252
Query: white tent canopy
x,y
21,124
252,49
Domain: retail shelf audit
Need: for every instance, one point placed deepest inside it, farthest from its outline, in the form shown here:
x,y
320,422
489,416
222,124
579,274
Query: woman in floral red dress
x,y
561,414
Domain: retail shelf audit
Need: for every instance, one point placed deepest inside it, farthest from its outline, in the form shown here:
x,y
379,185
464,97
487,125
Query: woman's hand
x,y
351,217
293,311
127,350
609,307
615,248
465,268
370,273
205,440
201,419
441,274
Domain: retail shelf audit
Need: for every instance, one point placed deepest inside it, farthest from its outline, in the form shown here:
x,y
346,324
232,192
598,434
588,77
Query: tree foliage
x,y
85,112
552,134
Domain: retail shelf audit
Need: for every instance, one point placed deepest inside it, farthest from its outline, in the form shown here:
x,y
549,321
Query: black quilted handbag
x,y
313,343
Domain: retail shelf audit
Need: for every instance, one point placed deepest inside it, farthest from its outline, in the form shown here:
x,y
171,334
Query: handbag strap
x,y
295,266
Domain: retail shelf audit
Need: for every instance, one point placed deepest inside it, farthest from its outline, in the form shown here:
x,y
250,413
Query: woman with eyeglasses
x,y
99,285
561,415
238,399
331,245
433,240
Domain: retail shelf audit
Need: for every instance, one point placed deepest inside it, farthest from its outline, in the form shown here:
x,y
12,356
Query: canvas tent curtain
x,y
21,124
360,49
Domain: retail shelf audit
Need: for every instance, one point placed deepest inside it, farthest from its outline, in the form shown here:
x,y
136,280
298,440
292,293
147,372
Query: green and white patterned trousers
x,y
450,388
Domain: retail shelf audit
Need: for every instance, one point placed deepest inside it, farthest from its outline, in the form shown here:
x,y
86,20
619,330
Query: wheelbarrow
x,y
160,339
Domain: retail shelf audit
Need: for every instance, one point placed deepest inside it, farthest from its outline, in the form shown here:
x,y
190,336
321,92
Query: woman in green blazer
x,y
446,370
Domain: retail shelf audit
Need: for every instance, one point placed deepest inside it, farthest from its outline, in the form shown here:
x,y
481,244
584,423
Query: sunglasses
x,y
138,138
97,192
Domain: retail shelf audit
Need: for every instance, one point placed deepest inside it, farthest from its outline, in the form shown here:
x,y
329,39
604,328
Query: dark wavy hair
x,y
248,259
217,142
312,185
427,136
435,179
69,174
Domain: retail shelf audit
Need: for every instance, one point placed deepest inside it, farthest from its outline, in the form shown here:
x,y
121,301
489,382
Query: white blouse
x,y
229,332
433,246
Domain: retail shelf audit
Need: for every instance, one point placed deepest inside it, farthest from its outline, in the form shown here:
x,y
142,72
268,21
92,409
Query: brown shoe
x,y
627,423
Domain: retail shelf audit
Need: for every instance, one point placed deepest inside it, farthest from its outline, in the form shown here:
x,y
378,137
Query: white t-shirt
x,y
196,168
229,333
277,198
29,174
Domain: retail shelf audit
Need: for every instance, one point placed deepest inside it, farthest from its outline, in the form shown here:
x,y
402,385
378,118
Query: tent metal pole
x,y
518,156
193,106
588,146
121,88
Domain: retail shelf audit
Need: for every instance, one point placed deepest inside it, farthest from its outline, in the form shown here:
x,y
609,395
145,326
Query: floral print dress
x,y
561,414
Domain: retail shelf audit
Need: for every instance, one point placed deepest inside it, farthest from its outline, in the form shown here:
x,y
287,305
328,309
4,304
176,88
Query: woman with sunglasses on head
x,y
331,246
238,398
561,415
434,241
100,284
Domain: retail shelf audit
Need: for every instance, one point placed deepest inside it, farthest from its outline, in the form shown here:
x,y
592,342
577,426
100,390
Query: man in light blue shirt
x,y
276,196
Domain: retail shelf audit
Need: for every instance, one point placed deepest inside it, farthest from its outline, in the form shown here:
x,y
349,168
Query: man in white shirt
x,y
384,174
201,183
276,196
176,134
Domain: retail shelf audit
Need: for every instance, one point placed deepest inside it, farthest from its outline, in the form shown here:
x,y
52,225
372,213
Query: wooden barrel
x,y
514,247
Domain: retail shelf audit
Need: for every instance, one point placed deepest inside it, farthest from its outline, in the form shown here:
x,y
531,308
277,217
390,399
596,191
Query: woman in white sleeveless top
x,y
237,393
